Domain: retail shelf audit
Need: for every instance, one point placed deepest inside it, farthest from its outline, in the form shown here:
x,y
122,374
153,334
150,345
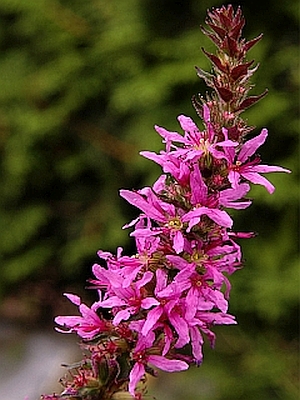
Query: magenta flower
x,y
128,267
220,217
128,301
147,239
87,326
226,198
173,218
164,213
242,166
169,308
234,197
193,145
198,294
171,163
201,143
201,324
213,260
142,357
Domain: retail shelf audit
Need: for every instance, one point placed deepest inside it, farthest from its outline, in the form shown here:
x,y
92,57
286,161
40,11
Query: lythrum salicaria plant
x,y
156,307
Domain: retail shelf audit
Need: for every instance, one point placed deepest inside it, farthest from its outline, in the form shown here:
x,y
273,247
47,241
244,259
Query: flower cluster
x,y
156,308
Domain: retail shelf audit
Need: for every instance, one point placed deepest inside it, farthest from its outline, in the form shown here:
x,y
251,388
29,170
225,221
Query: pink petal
x,y
138,201
113,301
73,298
259,180
219,217
165,364
228,197
192,301
250,147
218,298
161,280
234,178
269,168
224,319
152,317
178,242
181,328
122,315
149,302
197,342
68,320
158,158
188,125
88,314
229,154
198,188
148,275
168,339
169,136
178,262
236,193
135,376
160,184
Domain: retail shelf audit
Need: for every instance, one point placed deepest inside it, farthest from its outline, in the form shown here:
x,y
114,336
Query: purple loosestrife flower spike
x,y
170,294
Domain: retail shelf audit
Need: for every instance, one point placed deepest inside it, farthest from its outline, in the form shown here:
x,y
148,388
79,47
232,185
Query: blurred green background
x,y
82,84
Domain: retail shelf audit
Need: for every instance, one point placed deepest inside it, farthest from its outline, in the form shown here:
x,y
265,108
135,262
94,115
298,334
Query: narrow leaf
x,y
240,70
215,60
247,46
251,100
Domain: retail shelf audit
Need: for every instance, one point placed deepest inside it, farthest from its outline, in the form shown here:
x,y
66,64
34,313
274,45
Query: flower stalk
x,y
156,308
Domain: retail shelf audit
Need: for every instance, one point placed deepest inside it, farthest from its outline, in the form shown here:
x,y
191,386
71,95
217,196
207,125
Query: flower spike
x,y
157,307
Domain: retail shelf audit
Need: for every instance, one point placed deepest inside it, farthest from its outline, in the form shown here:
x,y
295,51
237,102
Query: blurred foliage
x,y
82,84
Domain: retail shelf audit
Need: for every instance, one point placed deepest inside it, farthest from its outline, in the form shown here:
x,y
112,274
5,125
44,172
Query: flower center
x,y
175,223
236,167
203,145
197,281
135,302
140,357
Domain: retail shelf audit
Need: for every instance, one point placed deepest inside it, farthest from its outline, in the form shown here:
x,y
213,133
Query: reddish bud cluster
x,y
231,72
